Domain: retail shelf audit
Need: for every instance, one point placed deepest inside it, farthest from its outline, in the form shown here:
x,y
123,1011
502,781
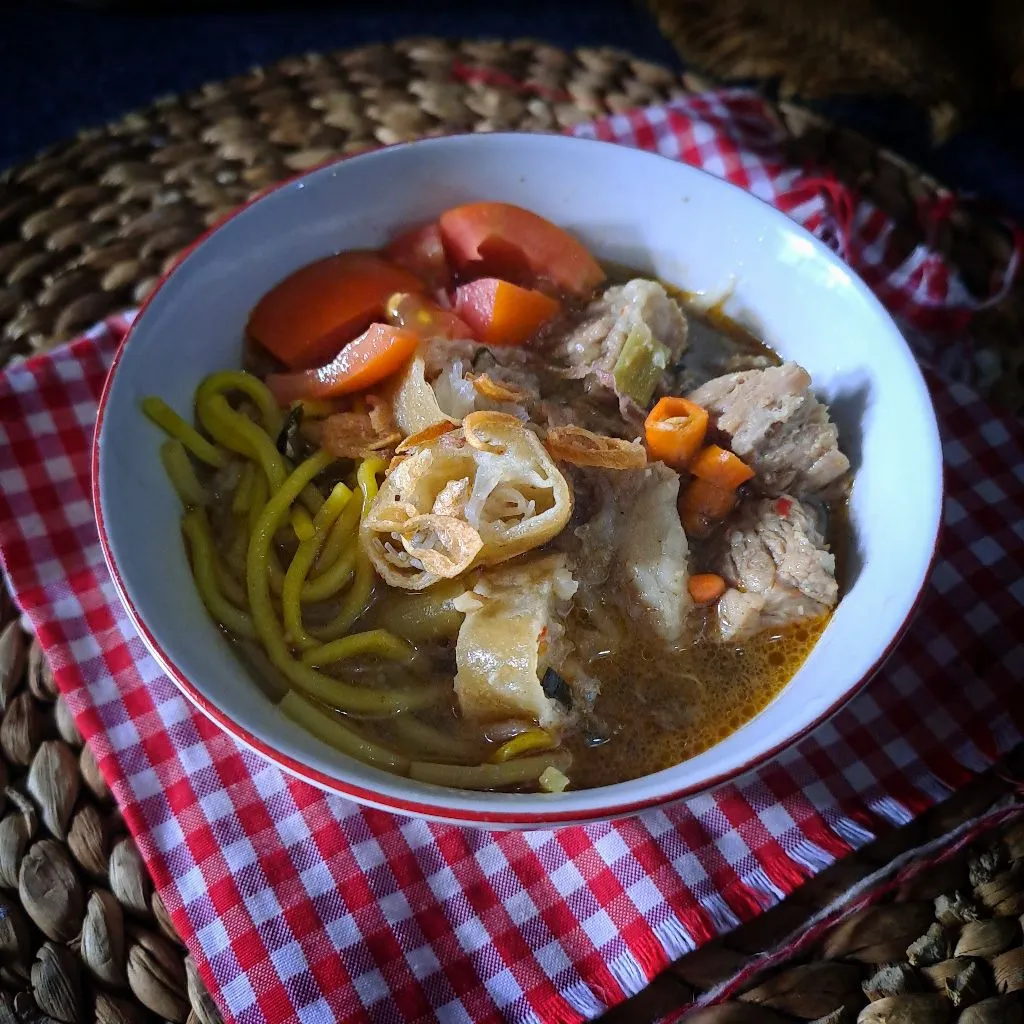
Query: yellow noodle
x,y
236,431
302,524
170,422
242,497
294,580
182,475
259,500
239,433
417,734
313,683
366,475
197,531
234,554
249,385
267,678
357,600
340,537
374,641
355,603
321,587
229,585
489,776
527,742
276,573
328,727
424,616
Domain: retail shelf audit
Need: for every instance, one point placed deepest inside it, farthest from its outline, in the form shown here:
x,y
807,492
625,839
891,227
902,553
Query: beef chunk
x,y
776,425
777,567
625,341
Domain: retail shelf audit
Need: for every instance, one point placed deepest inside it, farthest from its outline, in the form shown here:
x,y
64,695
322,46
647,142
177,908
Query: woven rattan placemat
x,y
85,230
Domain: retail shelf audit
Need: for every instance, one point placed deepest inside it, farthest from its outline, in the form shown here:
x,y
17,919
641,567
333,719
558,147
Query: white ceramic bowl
x,y
656,215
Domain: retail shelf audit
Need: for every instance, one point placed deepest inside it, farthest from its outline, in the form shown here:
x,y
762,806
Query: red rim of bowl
x,y
347,789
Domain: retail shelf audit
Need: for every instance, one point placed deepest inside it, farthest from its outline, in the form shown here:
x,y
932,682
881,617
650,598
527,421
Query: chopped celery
x,y
640,365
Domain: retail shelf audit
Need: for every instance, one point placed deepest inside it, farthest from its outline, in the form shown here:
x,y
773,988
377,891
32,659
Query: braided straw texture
x,y
88,227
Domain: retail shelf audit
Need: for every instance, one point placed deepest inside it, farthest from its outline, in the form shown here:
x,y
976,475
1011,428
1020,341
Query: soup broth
x,y
552,527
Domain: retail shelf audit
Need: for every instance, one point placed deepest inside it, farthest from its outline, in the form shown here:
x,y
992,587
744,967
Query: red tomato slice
x,y
425,318
501,240
421,252
375,355
309,315
501,313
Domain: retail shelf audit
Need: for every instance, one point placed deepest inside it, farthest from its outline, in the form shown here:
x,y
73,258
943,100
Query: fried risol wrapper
x,y
504,641
492,476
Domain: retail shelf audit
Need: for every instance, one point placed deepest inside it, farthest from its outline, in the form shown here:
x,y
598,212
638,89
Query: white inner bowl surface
x,y
656,215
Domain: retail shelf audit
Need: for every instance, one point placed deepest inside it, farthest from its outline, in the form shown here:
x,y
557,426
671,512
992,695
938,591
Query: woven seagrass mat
x,y
86,229
954,59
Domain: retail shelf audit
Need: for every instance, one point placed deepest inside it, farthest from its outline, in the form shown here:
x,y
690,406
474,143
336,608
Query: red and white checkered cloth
x,y
300,906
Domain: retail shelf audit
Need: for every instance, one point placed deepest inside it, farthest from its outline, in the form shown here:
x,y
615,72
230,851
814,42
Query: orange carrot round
x,y
706,587
674,431
375,355
720,467
701,504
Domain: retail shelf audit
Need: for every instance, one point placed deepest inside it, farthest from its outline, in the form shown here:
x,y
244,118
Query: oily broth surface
x,y
664,709
658,708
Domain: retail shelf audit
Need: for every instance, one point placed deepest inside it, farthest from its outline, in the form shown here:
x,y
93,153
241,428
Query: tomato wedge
x,y
501,240
309,315
425,318
375,355
501,313
421,252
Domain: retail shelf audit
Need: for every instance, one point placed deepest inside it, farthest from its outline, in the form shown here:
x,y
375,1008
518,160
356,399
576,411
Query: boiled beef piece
x,y
774,423
777,568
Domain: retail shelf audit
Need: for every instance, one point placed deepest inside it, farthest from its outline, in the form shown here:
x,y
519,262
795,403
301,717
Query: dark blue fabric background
x,y
64,67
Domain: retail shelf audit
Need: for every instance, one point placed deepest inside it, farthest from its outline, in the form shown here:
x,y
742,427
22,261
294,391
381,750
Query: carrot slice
x,y
720,467
376,354
501,240
421,252
500,313
309,315
706,587
702,504
427,319
674,430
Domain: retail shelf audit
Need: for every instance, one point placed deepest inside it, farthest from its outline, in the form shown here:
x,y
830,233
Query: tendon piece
x,y
505,643
654,559
583,447
631,551
413,401
506,495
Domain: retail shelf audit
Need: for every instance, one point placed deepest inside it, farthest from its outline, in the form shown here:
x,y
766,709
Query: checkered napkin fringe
x,y
301,906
